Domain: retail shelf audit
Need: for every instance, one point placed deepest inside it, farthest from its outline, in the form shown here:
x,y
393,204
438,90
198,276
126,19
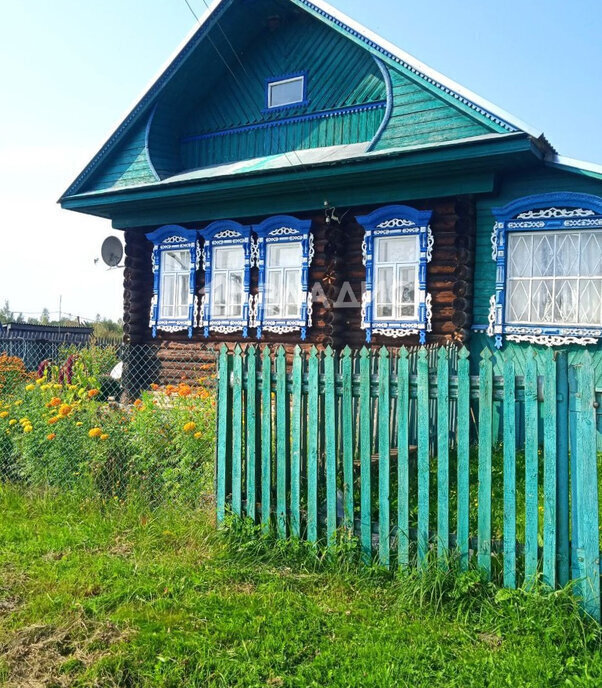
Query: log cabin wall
x,y
337,260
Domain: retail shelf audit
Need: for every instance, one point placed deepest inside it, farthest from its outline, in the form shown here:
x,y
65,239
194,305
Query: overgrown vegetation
x,y
97,593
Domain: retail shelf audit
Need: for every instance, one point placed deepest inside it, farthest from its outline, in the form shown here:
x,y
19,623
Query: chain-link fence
x,y
117,420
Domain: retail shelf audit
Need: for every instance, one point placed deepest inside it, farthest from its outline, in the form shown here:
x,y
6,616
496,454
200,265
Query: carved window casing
x,y
226,260
397,247
175,260
548,254
283,255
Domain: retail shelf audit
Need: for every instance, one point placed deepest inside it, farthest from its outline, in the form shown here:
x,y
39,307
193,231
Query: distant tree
x,y
6,315
45,317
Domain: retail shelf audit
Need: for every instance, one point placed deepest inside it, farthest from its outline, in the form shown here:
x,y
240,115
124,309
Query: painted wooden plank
x,y
463,449
587,490
223,428
330,445
562,469
347,439
403,460
237,431
531,467
573,423
549,469
485,454
365,455
442,455
296,431
281,441
312,445
509,472
384,457
251,426
266,439
423,457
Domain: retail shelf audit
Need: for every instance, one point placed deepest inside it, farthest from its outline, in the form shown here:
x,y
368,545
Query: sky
x,y
71,69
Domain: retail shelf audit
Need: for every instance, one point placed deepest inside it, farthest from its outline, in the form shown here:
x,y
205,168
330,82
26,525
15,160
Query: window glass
x,y
286,92
555,278
227,282
175,280
396,274
283,280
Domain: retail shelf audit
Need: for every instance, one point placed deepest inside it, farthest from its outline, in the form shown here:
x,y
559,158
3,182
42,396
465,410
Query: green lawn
x,y
116,595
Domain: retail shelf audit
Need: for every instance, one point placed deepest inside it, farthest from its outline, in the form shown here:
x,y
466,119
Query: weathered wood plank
x,y
423,457
384,457
266,439
509,473
312,445
442,455
222,432
403,461
251,426
330,447
296,430
531,467
562,470
463,469
281,441
485,455
347,439
237,432
365,455
550,440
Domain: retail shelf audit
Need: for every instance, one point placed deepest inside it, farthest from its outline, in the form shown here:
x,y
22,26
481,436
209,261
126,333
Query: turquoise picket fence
x,y
417,458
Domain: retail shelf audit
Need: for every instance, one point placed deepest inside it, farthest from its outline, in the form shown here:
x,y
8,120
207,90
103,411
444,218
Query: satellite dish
x,y
112,251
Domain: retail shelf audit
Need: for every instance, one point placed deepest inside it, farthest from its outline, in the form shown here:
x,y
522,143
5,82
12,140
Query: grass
x,y
95,594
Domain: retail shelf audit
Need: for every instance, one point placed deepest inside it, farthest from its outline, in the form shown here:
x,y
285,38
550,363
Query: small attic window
x,y
286,91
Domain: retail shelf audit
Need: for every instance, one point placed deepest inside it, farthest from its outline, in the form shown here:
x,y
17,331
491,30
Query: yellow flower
x,y
30,388
27,428
198,435
65,410
18,402
57,386
24,421
79,424
45,387
4,414
104,436
51,436
40,381
12,421
95,432
190,426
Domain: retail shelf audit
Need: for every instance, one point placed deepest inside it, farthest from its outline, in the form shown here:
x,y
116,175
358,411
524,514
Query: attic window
x,y
286,92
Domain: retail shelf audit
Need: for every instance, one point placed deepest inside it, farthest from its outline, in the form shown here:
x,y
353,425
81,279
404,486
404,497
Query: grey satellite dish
x,y
112,251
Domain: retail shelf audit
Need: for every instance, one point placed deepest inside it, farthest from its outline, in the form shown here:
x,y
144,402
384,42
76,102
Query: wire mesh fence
x,y
110,419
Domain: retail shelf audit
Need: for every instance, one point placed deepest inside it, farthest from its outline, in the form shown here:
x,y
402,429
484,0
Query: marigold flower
x,y
55,401
104,436
24,421
45,387
190,426
40,381
154,386
198,435
51,436
30,388
18,402
184,390
57,386
138,403
93,393
4,414
95,432
65,410
12,421
53,420
79,424
27,428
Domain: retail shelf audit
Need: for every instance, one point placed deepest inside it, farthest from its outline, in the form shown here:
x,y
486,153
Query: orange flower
x,y
154,387
104,436
93,393
190,426
51,436
95,432
65,410
198,435
55,401
53,420
138,403
170,389
184,390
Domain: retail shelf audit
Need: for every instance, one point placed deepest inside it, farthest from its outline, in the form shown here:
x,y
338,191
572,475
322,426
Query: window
x,y
284,254
227,265
283,282
548,251
397,247
286,91
174,259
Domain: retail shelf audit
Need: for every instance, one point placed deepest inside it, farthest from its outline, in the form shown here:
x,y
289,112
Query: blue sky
x,y
71,69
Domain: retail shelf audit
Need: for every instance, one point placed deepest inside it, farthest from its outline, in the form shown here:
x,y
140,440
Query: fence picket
x,y
562,471
463,468
251,425
509,473
222,433
296,429
312,445
549,469
403,464
587,490
330,446
485,443
266,439
281,441
365,456
443,454
531,468
237,432
347,438
423,456
384,457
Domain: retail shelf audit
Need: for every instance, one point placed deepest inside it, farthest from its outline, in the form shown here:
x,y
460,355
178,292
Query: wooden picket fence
x,y
399,449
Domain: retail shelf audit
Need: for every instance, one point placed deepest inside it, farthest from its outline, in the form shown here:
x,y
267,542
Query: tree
x,y
6,315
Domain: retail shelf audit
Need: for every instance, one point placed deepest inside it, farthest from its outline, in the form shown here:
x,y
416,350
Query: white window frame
x,y
271,269
271,84
176,306
396,266
226,272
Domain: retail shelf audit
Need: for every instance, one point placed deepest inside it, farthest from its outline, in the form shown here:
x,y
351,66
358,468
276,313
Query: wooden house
x,y
290,177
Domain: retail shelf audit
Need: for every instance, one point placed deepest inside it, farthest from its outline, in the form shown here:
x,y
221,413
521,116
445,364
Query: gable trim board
x,y
437,84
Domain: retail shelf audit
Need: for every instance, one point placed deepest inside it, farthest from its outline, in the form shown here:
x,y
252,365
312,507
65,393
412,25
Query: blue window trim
x,y
391,221
167,238
275,79
539,213
283,229
225,233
